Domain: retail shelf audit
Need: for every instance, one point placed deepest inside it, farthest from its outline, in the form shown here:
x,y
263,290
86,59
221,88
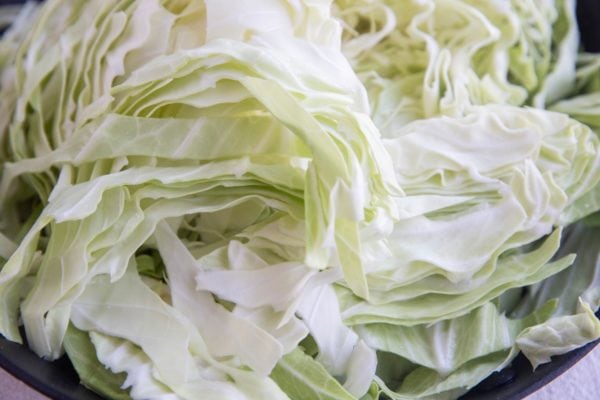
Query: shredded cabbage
x,y
298,199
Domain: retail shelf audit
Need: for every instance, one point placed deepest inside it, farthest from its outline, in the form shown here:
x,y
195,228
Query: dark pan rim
x,y
58,380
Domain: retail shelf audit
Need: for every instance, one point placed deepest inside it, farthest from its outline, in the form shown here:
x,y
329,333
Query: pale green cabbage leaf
x,y
297,199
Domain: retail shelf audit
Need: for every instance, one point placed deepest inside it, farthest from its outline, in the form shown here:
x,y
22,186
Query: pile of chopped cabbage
x,y
298,199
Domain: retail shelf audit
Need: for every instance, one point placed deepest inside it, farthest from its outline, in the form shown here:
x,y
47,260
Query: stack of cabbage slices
x,y
298,199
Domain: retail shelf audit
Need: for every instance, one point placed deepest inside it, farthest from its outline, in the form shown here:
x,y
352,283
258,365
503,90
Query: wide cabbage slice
x,y
98,159
424,311
420,59
449,357
83,353
322,116
583,103
577,284
491,193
